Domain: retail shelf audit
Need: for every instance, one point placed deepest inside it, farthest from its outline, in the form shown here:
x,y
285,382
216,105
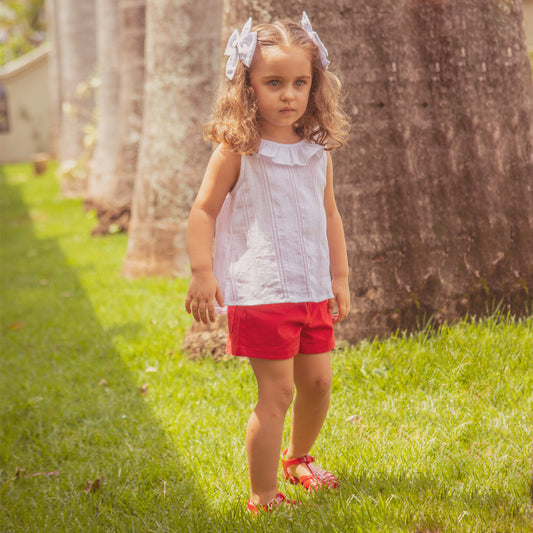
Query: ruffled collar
x,y
289,154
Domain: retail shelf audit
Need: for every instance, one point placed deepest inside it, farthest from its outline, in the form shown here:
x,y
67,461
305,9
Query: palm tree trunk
x,y
77,52
236,12
102,175
435,186
132,31
54,81
182,65
115,161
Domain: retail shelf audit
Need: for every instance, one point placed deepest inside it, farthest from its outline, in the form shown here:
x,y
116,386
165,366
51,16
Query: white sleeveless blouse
x,y
271,243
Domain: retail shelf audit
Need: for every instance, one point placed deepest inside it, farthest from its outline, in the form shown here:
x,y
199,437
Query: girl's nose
x,y
288,94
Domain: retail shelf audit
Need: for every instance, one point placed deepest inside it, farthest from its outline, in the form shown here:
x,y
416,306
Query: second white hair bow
x,y
240,46
306,25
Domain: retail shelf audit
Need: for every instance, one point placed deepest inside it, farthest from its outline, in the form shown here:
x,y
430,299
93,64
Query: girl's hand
x,y
341,292
200,300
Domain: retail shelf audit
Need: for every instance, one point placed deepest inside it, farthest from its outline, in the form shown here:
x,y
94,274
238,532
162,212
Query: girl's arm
x,y
220,176
337,251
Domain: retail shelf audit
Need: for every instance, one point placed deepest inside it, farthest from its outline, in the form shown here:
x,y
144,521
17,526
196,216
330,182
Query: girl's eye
x,y
274,83
300,83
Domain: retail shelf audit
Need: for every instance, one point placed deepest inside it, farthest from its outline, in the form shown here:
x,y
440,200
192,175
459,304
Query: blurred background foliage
x,y
22,27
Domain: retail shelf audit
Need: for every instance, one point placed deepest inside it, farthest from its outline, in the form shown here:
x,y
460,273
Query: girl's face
x,y
281,79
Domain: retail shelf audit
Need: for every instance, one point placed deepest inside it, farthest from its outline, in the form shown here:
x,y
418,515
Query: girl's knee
x,y
323,385
283,397
317,386
277,398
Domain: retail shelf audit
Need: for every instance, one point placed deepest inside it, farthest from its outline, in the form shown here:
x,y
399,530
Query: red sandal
x,y
278,500
317,477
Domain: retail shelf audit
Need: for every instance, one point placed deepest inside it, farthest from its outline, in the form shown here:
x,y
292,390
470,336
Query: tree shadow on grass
x,y
70,405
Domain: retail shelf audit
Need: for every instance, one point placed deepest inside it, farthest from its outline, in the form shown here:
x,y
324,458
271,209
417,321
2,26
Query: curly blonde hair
x,y
235,121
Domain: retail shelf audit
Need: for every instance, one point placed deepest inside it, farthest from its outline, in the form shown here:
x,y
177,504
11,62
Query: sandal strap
x,y
306,459
310,481
273,504
324,476
318,476
276,500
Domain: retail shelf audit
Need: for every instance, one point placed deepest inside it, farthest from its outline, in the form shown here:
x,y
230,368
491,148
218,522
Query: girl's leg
x,y
312,377
275,387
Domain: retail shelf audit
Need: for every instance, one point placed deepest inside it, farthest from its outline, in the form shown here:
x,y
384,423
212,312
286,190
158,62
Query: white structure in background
x,y
24,106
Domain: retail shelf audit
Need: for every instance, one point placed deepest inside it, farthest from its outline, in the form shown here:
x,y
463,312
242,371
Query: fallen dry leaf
x,y
103,382
21,473
16,325
354,419
144,388
93,486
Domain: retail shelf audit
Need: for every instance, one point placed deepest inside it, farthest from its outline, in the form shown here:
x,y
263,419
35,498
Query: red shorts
x,y
280,331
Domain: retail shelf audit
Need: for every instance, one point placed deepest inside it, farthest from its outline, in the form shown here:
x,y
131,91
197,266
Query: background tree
x,y
182,64
102,172
131,71
121,29
435,187
54,76
75,31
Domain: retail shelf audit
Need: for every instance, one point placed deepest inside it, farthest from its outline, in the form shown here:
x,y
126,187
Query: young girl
x,y
280,262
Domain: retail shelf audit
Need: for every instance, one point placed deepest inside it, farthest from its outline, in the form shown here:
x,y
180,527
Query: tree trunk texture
x,y
182,64
237,12
77,53
102,171
54,81
110,193
436,186
131,84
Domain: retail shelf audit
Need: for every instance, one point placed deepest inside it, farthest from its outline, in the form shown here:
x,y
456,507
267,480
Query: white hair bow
x,y
306,25
240,46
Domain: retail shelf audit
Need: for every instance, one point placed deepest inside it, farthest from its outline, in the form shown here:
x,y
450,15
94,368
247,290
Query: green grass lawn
x,y
428,434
